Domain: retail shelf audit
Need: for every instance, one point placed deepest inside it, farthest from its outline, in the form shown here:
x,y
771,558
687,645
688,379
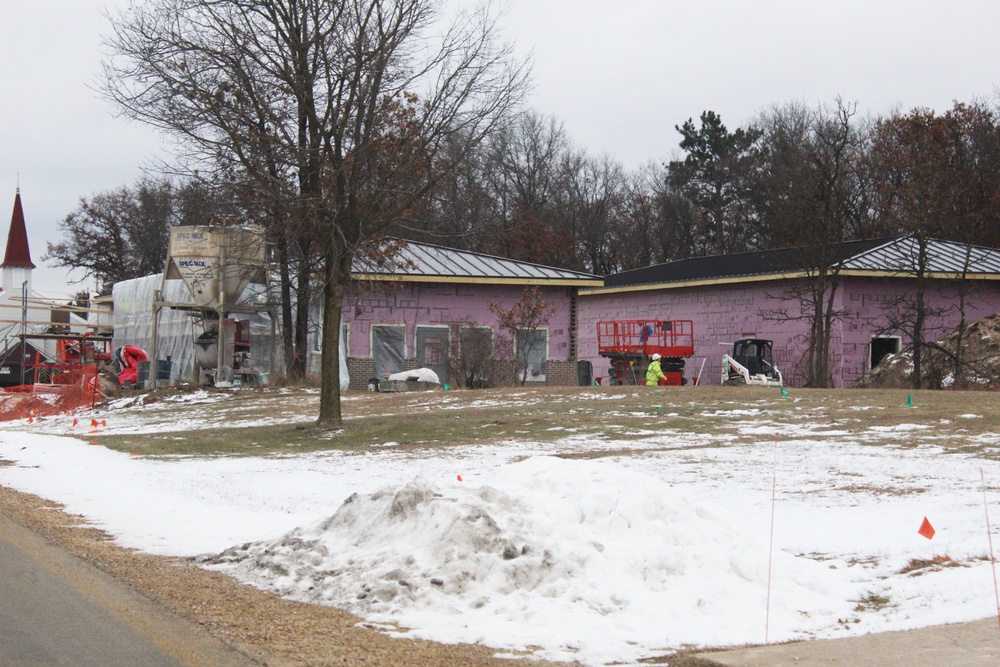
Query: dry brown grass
x,y
718,416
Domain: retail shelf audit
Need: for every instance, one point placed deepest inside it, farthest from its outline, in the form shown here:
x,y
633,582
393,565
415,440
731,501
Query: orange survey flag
x,y
926,529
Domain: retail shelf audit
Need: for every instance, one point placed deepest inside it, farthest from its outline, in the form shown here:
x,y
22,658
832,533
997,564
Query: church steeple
x,y
18,254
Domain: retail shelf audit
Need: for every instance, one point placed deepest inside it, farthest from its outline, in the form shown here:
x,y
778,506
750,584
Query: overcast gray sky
x,y
620,75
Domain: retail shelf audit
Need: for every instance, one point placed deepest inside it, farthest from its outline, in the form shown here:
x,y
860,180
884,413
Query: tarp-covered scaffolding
x,y
178,328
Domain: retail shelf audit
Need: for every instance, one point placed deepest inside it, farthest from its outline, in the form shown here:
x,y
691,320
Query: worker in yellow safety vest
x,y
653,372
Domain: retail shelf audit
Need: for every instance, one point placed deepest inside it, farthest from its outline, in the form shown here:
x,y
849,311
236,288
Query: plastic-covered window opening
x,y
433,346
531,364
388,349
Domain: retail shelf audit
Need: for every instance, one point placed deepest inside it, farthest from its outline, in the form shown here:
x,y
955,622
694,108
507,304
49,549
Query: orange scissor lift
x,y
629,345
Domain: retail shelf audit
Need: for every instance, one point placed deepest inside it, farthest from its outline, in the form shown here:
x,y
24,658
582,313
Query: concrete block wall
x,y
362,369
557,373
561,373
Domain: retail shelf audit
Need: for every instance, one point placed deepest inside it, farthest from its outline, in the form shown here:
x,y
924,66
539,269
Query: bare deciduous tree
x,y
522,320
122,234
595,194
934,177
336,109
809,201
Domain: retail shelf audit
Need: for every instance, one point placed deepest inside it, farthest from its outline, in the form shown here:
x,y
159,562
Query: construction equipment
x,y
218,265
629,345
751,363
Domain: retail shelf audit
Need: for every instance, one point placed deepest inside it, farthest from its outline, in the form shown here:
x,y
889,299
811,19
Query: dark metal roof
x,y
763,262
426,261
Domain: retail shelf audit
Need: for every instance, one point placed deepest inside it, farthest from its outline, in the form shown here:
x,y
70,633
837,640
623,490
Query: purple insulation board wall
x,y
416,305
724,313
721,314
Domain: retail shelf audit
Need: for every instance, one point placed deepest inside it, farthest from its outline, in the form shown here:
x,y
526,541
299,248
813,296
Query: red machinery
x,y
128,358
629,344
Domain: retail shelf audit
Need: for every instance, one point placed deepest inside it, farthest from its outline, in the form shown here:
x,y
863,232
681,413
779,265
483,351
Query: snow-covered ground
x,y
600,561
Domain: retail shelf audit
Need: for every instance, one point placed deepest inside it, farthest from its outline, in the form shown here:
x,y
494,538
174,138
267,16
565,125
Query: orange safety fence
x,y
42,400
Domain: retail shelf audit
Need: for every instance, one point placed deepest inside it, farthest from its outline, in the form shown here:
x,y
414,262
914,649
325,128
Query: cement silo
x,y
218,265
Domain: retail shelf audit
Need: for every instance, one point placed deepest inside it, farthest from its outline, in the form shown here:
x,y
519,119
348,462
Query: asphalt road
x,y
57,609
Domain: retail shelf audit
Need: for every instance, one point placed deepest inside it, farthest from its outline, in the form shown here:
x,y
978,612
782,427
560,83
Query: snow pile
x,y
614,551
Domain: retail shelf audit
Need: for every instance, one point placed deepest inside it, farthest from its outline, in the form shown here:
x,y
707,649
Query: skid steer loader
x,y
751,363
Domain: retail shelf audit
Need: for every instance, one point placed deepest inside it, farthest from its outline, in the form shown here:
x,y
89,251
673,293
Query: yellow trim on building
x,y
932,275
769,277
555,282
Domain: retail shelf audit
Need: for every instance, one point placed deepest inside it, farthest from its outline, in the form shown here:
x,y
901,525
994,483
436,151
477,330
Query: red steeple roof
x,y
18,255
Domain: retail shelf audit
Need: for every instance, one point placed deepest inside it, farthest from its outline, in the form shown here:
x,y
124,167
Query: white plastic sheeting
x,y
418,375
133,325
345,378
133,322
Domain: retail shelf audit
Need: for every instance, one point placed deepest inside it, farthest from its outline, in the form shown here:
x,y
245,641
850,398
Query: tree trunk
x,y
829,316
958,362
919,312
303,299
338,276
919,315
287,326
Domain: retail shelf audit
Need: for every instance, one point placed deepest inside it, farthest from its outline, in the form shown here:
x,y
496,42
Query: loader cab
x,y
755,355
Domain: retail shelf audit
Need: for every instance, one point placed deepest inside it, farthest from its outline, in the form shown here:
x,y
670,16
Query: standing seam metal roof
x,y
943,257
417,259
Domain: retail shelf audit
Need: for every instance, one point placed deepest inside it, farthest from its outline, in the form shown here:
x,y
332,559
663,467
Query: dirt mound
x,y
969,358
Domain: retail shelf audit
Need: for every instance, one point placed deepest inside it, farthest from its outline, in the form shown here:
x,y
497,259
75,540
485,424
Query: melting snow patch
x,y
200,396
597,396
899,427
